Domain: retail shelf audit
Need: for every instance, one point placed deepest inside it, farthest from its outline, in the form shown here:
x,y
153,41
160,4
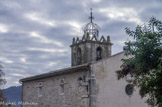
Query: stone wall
x,y
103,88
111,92
88,48
74,95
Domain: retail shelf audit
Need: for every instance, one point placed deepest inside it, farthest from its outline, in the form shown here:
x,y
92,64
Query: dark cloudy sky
x,y
35,34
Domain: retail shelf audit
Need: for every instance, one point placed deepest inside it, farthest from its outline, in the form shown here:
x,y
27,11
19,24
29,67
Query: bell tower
x,y
90,48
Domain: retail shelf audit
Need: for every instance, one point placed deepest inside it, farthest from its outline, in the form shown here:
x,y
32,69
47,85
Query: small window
x,y
61,89
129,89
80,80
39,88
62,83
98,53
39,91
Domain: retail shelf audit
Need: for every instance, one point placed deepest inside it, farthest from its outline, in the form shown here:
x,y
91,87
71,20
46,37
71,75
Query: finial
x,y
73,40
91,16
91,9
108,39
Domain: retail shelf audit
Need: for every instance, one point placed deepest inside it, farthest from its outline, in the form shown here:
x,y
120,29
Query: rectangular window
x,y
61,89
39,91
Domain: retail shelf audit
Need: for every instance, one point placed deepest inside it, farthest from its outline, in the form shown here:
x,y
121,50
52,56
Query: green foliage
x,y
145,65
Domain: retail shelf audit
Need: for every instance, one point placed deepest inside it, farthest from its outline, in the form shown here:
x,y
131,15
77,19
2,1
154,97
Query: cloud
x,y
5,60
3,28
96,1
53,50
17,75
23,60
75,26
38,18
43,39
123,14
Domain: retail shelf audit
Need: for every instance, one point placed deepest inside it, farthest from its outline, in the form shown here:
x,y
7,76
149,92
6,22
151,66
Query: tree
x,y
2,83
145,65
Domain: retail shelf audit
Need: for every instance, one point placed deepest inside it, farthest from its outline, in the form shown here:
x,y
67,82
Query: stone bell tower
x,y
90,47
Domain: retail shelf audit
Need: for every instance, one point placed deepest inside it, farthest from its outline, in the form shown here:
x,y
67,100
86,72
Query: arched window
x,y
40,89
62,83
79,56
98,53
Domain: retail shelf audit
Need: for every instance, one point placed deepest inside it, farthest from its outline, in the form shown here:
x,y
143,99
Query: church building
x,y
91,81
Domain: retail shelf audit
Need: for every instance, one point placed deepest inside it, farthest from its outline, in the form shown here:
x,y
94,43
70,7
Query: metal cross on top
x,y
91,16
